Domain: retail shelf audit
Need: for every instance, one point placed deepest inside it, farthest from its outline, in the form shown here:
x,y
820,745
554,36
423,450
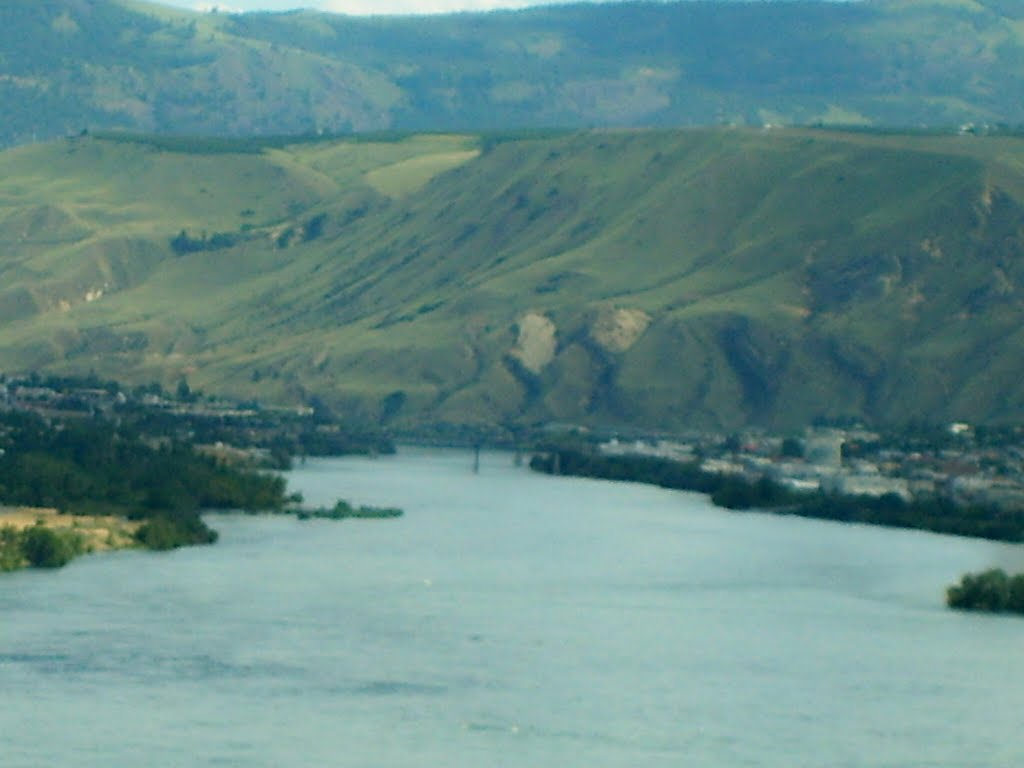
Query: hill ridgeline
x,y
655,279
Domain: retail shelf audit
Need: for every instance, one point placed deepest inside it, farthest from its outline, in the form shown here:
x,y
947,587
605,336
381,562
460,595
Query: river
x,y
512,619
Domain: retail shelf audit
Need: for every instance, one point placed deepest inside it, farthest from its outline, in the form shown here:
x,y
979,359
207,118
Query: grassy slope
x,y
779,275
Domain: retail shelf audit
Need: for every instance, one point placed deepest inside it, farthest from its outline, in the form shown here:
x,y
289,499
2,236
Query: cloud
x,y
387,7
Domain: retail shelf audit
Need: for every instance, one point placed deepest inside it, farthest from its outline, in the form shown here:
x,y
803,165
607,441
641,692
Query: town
x,y
249,433
970,465
977,466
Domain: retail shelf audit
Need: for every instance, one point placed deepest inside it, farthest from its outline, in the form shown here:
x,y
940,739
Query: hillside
x,y
647,278
66,65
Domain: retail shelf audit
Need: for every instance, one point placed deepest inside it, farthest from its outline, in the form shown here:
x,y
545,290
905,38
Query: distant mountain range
x,y
68,65
644,278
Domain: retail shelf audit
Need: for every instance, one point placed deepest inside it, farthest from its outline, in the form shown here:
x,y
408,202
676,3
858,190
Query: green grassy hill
x,y
647,278
66,65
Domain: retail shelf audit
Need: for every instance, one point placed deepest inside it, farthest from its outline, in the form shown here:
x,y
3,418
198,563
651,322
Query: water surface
x,y
512,619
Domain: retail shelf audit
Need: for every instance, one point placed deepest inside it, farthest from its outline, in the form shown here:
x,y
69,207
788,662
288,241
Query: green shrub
x,y
46,548
11,554
991,591
164,532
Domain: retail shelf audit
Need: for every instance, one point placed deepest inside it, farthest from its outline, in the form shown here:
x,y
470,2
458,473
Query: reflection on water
x,y
511,619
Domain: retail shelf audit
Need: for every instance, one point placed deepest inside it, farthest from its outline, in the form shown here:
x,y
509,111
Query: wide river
x,y
512,619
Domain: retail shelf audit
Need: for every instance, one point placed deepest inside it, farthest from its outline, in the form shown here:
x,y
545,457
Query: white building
x,y
866,485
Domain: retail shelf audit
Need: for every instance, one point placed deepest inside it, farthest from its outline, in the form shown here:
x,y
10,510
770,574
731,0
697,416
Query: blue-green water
x,y
511,619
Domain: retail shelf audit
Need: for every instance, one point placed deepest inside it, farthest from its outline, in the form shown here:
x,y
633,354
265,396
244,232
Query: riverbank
x,y
68,535
114,483
938,515
45,537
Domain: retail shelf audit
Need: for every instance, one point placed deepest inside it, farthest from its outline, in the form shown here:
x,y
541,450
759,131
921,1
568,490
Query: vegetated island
x,y
991,591
936,514
343,510
79,486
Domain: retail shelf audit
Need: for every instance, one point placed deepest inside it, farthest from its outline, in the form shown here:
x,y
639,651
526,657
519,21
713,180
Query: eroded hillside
x,y
656,279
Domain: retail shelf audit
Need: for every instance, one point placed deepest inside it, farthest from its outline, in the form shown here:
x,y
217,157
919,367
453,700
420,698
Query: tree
x,y
184,391
792,448
45,548
987,591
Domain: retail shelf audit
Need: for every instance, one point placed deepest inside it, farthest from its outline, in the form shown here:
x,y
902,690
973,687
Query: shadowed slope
x,y
713,277
74,64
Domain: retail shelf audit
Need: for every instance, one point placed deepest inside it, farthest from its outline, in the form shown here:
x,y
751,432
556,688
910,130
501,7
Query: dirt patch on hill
x,y
536,341
618,329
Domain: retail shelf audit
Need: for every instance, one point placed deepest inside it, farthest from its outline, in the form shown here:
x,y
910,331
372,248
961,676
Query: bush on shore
x,y
39,547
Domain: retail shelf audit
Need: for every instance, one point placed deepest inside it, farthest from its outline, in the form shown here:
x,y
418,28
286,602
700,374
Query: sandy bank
x,y
101,532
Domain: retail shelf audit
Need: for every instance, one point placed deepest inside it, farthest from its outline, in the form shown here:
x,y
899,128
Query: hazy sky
x,y
358,6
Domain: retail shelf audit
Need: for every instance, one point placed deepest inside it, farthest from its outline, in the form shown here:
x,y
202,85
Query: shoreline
x,y
736,494
91,533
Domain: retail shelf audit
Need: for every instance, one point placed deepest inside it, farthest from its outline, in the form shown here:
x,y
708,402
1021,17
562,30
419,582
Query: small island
x,y
345,511
991,591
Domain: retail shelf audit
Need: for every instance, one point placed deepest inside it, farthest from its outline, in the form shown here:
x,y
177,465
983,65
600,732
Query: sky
x,y
358,7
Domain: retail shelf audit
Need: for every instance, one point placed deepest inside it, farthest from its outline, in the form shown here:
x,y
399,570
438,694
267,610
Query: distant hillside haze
x,y
69,65
627,278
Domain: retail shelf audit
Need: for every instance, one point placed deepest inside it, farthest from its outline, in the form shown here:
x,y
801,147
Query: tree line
x,y
97,467
937,514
